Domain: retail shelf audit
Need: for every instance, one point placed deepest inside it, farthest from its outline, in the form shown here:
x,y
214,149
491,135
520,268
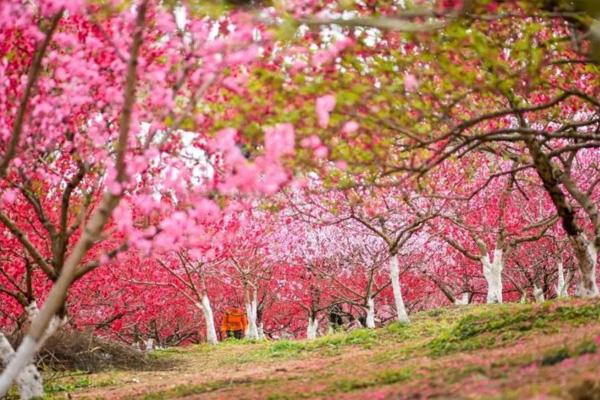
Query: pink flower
x,y
321,152
299,65
341,165
145,203
225,139
343,44
311,142
234,84
9,197
115,188
279,140
410,83
323,57
350,127
324,107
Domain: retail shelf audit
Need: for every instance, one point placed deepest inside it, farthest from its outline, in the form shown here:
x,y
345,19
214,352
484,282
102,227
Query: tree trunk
x,y
29,381
211,332
251,312
463,300
538,294
562,289
55,323
492,272
261,331
149,344
587,255
370,313
402,315
312,329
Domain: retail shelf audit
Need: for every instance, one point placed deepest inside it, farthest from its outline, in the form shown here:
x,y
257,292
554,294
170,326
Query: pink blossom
x,y
410,82
350,127
145,203
323,57
341,165
115,188
324,107
279,140
321,152
311,142
207,209
234,83
343,43
225,138
9,196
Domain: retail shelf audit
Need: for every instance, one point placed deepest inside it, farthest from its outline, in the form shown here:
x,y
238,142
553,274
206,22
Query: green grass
x,y
441,345
492,326
383,378
559,354
440,331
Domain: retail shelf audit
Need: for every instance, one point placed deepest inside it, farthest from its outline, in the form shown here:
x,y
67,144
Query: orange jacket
x,y
234,320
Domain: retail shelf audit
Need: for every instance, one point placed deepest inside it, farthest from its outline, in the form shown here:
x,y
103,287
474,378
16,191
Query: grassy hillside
x,y
510,351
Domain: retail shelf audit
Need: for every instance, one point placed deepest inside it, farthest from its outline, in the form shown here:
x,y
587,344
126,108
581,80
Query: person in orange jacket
x,y
234,323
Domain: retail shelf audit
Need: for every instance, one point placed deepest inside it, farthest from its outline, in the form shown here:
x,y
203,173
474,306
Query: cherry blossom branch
x,y
32,77
93,228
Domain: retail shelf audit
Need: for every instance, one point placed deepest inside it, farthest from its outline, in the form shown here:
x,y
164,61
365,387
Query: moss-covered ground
x,y
509,351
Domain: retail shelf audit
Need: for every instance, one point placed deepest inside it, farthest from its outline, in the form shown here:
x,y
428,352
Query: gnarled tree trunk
x,y
585,251
587,255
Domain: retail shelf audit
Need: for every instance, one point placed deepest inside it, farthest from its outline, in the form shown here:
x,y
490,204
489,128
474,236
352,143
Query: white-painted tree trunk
x,y
211,332
463,300
492,272
149,344
370,313
401,313
562,289
261,331
312,329
251,312
29,381
538,294
587,256
55,323
591,276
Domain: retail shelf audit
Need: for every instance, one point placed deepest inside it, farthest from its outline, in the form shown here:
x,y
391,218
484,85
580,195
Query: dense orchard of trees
x,y
319,164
